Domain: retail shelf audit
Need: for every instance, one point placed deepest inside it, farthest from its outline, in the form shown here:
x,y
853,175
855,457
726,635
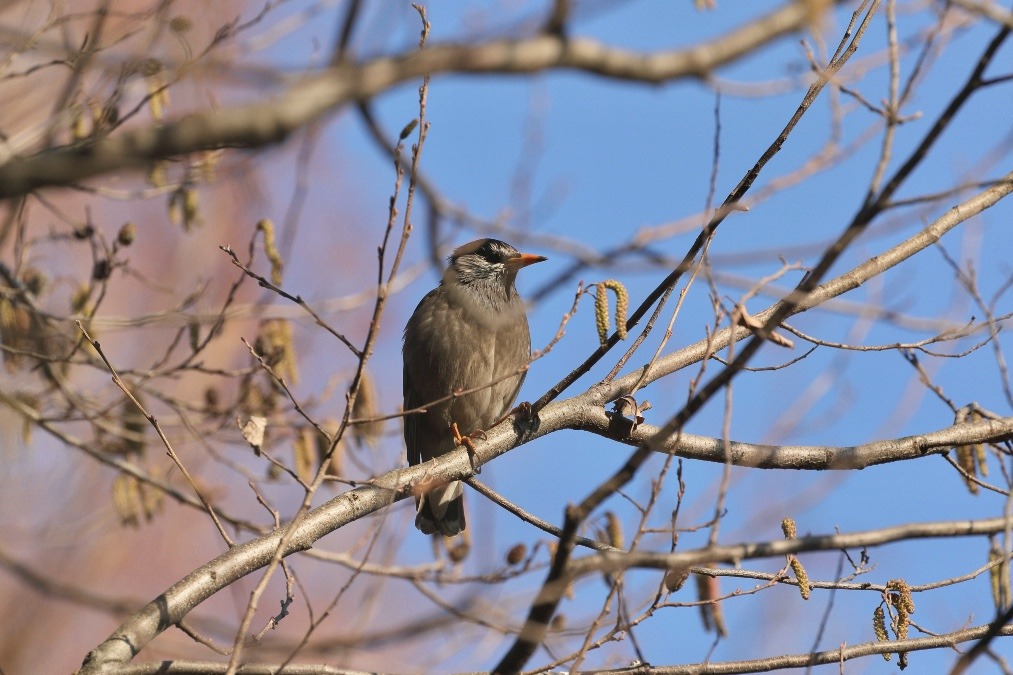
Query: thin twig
x,y
161,435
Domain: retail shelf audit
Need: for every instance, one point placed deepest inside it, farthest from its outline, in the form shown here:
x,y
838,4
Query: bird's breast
x,y
460,345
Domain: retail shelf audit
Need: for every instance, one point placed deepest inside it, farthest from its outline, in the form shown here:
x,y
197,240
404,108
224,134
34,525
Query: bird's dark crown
x,y
490,250
483,261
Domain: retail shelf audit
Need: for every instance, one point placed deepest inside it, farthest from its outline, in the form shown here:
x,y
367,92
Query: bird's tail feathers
x,y
442,510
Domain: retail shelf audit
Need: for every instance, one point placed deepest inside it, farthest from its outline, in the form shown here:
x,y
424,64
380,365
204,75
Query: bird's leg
x,y
469,444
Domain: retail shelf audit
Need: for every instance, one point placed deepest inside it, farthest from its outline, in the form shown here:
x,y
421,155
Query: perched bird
x,y
470,332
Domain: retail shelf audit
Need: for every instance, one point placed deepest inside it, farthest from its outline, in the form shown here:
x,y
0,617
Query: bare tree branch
x,y
268,122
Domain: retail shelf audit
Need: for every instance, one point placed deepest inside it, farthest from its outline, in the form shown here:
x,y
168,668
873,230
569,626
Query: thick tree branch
x,y
829,656
177,601
845,653
581,412
263,123
174,604
607,561
806,457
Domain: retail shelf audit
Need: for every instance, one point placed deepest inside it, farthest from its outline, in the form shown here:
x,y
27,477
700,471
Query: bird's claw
x,y
469,444
524,411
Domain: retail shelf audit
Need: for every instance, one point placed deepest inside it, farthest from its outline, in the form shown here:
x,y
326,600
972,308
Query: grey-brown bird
x,y
470,332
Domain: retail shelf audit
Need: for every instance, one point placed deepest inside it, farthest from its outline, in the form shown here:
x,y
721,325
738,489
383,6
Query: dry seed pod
x,y
366,406
800,574
207,163
254,400
151,500
622,305
900,597
408,128
335,467
615,530
15,332
999,577
708,590
158,175
516,554
180,24
191,209
601,309
305,454
175,208
212,402
135,426
158,93
127,233
879,627
271,250
274,344
97,118
675,579
23,330
458,547
126,499
970,457
193,333
907,599
35,280
601,315
78,123
79,299
981,456
965,460
184,208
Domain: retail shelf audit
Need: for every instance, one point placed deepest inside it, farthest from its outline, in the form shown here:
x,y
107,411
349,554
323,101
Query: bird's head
x,y
488,263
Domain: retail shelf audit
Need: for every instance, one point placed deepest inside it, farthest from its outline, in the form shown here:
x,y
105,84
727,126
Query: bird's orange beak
x,y
523,260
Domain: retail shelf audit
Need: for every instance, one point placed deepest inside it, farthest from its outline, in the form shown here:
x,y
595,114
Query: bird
x,y
469,333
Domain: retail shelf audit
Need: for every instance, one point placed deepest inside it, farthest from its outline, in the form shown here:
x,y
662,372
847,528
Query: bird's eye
x,y
490,252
